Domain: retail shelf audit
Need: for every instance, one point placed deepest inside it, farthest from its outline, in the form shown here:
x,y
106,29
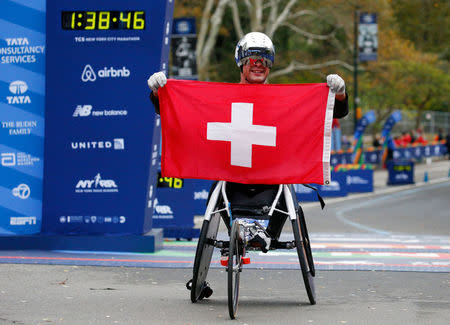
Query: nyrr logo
x,y
18,88
82,110
89,74
96,185
162,211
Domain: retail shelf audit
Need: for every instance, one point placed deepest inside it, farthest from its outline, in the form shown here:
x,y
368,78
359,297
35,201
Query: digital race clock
x,y
103,20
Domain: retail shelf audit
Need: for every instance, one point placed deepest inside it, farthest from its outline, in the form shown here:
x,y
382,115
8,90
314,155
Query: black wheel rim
x,y
308,278
203,256
234,266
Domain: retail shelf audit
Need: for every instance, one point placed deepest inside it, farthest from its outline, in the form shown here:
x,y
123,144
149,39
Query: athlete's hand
x,y
336,84
156,81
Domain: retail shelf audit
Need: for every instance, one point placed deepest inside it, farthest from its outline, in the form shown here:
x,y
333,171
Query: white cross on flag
x,y
253,134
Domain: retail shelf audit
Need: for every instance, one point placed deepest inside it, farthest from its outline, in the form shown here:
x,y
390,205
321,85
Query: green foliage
x,y
411,72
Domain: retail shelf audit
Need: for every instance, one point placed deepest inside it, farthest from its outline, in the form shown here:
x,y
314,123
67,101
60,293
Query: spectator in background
x,y
406,138
335,135
346,143
448,144
398,142
439,136
390,146
419,138
377,141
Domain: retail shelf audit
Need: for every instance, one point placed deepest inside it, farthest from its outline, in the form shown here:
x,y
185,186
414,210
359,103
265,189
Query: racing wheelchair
x,y
240,208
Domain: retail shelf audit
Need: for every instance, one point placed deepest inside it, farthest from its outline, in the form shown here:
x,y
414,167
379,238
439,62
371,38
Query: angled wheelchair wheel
x,y
234,269
307,275
306,242
203,255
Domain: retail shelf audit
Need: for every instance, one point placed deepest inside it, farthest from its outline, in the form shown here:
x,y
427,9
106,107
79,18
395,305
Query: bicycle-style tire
x,y
234,269
308,278
203,257
306,242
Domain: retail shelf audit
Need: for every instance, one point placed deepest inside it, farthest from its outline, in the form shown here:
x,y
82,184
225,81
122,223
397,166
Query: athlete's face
x,y
254,72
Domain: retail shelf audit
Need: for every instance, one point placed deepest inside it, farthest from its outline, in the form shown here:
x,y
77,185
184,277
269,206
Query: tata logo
x,y
89,74
18,88
17,41
22,191
82,110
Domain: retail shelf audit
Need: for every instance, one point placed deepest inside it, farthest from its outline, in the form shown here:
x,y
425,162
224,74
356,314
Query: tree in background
x,y
314,38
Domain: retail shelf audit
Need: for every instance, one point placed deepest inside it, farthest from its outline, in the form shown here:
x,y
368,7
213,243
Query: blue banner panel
x,y
22,100
359,180
100,158
400,172
177,202
368,37
337,187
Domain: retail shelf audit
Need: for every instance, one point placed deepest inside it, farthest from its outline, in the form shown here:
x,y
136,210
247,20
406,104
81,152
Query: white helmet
x,y
255,44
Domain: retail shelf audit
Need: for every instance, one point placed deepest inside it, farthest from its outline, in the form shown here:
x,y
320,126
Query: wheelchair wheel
x,y
306,241
203,255
308,278
234,269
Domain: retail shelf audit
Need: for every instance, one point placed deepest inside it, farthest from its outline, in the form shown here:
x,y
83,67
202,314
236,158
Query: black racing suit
x,y
277,220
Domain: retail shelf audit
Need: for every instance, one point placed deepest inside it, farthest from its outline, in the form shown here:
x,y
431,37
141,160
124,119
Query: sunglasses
x,y
254,59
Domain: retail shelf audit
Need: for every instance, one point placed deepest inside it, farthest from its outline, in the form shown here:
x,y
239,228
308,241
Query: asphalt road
x,y
62,294
44,294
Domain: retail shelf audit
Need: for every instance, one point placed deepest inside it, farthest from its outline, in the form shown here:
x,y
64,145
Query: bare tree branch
x,y
272,14
298,66
280,19
303,13
203,28
257,21
309,35
216,21
236,19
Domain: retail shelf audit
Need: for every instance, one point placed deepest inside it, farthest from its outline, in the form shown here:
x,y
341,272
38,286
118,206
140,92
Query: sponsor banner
x,y
22,100
184,40
359,180
101,133
337,187
373,156
400,172
367,37
305,194
174,204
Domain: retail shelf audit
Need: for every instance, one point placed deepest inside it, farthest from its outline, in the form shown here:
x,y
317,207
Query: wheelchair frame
x,y
236,246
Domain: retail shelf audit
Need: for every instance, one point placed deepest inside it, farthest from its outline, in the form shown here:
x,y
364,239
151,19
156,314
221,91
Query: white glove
x,y
157,80
336,84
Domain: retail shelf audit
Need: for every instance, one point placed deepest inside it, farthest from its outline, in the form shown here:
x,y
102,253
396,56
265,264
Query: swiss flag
x,y
245,133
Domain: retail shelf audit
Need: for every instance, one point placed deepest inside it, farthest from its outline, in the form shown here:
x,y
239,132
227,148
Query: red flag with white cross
x,y
246,133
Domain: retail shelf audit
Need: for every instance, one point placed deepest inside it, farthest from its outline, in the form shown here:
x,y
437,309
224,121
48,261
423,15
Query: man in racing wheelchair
x,y
255,56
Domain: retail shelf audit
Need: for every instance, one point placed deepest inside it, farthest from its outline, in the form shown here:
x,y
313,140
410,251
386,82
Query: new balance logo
x,y
82,110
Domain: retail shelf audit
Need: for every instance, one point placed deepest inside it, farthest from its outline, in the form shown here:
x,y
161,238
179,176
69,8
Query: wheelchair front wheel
x,y
306,242
203,255
234,269
307,274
